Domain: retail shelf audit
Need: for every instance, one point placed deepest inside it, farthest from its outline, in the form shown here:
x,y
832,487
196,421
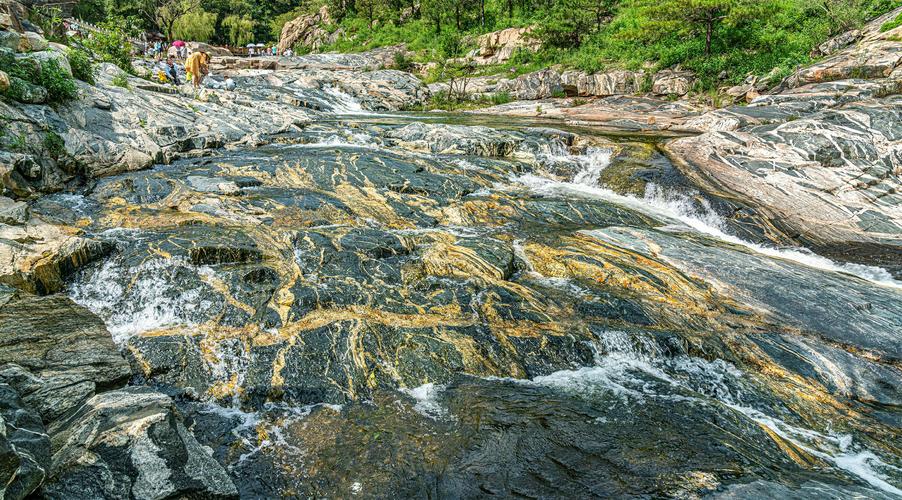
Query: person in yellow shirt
x,y
198,65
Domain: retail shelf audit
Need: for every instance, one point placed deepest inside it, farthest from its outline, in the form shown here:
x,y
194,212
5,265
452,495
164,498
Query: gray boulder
x,y
538,85
669,82
32,42
39,57
132,443
9,40
578,83
25,92
24,447
62,353
13,212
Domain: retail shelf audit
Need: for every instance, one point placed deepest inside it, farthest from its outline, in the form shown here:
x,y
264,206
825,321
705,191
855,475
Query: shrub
x,y
82,67
59,84
24,74
402,63
501,98
54,145
50,20
111,43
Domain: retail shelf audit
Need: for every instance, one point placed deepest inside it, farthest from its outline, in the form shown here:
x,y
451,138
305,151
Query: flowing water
x,y
373,313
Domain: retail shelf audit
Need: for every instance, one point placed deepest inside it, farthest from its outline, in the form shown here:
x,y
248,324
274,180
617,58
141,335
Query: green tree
x,y
197,25
569,22
705,17
165,13
239,30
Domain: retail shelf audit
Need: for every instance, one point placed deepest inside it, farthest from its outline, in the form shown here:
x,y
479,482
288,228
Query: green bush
x,y
501,98
48,74
402,62
59,84
82,67
111,44
54,145
50,20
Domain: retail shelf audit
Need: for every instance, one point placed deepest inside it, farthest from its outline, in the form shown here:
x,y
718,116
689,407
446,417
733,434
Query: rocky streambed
x,y
387,306
293,289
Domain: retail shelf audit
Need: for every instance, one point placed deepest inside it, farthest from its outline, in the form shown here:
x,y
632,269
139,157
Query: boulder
x,y
577,83
537,85
739,92
12,15
875,55
10,40
209,49
24,447
39,57
836,43
53,338
26,92
13,212
32,42
132,443
499,46
672,83
308,31
819,168
36,256
459,139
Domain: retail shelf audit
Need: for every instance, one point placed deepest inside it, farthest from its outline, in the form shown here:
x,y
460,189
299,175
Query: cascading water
x,y
680,207
343,103
154,294
633,368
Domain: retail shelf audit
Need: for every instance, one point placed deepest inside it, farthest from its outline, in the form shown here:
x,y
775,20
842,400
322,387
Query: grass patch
x,y
121,80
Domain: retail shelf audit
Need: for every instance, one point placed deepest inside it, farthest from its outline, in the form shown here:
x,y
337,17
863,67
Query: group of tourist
x,y
253,51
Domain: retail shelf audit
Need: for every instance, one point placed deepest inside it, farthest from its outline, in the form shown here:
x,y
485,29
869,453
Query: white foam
x,y
633,373
150,300
426,397
343,103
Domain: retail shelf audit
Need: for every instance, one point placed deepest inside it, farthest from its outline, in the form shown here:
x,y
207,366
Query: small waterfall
x,y
157,293
343,103
684,208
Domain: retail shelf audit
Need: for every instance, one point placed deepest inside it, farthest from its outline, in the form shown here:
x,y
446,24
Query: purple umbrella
x,y
178,43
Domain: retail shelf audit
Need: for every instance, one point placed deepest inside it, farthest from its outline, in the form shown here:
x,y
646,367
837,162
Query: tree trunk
x,y
482,13
510,9
710,26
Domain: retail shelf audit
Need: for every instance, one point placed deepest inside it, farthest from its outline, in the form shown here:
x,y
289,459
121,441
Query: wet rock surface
x,y
129,443
268,292
479,307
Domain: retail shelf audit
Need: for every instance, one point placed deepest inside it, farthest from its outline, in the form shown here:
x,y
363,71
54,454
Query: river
x,y
455,306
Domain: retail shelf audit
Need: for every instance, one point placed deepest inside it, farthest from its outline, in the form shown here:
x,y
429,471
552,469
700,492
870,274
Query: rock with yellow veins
x,y
36,256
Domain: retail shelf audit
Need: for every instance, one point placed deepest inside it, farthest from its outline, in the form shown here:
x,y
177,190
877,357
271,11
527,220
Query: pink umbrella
x,y
178,43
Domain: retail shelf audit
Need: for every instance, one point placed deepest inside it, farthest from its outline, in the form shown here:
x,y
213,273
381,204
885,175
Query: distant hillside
x,y
722,41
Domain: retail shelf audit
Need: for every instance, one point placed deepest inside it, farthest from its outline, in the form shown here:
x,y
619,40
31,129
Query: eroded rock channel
x,y
397,307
